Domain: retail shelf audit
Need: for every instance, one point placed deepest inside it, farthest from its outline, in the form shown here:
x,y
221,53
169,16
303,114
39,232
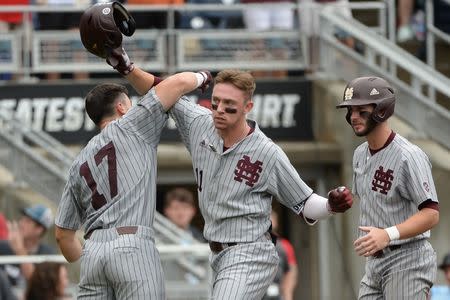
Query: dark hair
x,y
179,194
43,282
100,101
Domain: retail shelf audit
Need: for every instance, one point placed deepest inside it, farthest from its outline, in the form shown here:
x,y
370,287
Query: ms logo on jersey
x,y
248,171
382,180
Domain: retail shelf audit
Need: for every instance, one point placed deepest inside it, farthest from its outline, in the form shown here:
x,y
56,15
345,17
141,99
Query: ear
x,y
120,108
248,106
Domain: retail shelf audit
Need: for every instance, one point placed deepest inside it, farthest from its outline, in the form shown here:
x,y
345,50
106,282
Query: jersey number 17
x,y
97,199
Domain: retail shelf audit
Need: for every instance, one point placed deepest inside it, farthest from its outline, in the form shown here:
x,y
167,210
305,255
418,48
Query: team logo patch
x,y
382,180
348,94
374,91
426,186
106,10
248,171
299,207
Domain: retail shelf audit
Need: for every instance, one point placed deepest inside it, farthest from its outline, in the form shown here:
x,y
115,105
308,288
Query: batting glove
x,y
339,200
207,79
119,60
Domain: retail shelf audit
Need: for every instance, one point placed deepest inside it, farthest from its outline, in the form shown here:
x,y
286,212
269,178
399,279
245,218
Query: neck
x,y
379,135
235,134
103,123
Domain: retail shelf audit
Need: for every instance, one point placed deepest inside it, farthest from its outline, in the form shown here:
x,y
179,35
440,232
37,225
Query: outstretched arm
x,y
169,90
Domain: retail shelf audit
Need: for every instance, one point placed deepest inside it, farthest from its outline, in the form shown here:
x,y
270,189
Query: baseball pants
x,y
244,271
121,266
405,273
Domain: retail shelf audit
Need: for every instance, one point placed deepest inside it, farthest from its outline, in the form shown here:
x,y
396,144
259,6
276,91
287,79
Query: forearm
x,y
289,283
70,248
140,80
173,87
69,244
26,268
418,223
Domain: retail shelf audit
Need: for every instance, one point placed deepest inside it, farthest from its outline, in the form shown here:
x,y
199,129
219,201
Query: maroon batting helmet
x,y
102,25
370,90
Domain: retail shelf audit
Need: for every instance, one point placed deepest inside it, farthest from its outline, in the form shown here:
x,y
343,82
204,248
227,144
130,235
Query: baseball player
x,y
239,171
392,178
111,186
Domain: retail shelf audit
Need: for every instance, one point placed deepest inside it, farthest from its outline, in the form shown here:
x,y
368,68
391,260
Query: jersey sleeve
x,y
184,113
286,185
417,178
69,214
290,253
146,119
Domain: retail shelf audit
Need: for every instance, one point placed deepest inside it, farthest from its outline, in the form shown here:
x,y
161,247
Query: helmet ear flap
x,y
383,110
123,19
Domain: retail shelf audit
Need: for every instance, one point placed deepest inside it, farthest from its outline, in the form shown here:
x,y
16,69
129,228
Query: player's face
x,y
229,106
360,119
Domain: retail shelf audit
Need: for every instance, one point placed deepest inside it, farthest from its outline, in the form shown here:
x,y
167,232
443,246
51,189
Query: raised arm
x,y
168,90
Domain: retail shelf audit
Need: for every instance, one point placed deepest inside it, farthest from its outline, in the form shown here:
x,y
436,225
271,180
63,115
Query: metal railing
x,y
29,50
174,290
412,105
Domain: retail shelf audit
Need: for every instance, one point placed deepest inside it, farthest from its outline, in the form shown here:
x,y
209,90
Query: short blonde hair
x,y
240,79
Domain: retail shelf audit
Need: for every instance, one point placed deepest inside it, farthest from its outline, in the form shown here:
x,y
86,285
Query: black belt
x,y
380,253
120,231
217,247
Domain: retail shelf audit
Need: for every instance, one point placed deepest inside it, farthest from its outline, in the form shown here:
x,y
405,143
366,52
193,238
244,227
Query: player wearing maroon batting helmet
x,y
392,178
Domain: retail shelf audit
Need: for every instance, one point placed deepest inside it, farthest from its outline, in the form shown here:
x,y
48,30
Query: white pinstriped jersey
x,y
112,181
392,183
236,187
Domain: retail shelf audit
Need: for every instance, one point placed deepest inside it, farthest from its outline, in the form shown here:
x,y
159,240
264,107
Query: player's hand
x,y
15,238
119,60
206,82
339,200
375,240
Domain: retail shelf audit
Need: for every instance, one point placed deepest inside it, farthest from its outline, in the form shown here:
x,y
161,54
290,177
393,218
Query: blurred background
x,y
301,53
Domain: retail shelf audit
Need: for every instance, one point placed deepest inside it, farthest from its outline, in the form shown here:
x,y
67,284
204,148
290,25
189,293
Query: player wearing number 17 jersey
x,y
111,191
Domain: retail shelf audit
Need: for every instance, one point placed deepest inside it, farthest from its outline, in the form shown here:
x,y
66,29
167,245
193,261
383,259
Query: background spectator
x,y
3,228
442,292
10,21
62,21
152,19
179,207
25,238
48,282
266,18
5,287
285,280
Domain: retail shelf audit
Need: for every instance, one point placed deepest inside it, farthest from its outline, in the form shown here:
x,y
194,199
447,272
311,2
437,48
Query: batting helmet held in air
x,y
370,90
102,25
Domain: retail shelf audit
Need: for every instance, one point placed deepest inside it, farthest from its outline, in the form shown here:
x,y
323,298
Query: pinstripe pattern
x,y
406,273
237,208
391,184
134,137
